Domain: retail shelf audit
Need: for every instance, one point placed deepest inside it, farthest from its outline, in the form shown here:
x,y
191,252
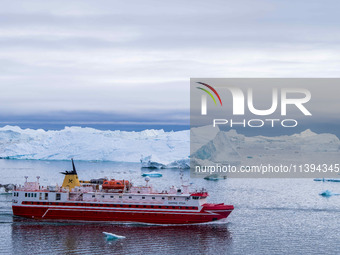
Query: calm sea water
x,y
271,216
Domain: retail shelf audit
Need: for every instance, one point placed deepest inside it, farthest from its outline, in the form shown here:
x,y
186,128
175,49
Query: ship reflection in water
x,y
38,237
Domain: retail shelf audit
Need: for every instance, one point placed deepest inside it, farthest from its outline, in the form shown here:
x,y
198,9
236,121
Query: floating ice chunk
x,y
180,164
333,180
215,177
326,180
319,179
147,163
152,174
5,188
110,236
328,193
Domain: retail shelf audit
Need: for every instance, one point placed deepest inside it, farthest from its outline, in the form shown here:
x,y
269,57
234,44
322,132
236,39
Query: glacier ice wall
x,y
172,149
92,144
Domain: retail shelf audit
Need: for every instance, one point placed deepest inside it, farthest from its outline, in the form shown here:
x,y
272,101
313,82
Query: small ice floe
x,y
110,236
333,180
326,180
215,177
328,193
152,174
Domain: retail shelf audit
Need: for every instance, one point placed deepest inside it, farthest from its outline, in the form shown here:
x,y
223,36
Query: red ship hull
x,y
209,212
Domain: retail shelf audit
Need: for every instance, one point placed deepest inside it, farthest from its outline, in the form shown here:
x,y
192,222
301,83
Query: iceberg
x,y
92,144
164,149
110,236
5,188
220,149
328,193
147,163
214,177
326,180
177,164
152,174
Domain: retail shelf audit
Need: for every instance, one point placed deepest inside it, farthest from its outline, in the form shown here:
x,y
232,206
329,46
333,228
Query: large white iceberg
x,y
164,149
92,144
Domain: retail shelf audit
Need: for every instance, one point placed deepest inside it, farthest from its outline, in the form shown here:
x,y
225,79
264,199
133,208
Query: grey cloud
x,y
138,56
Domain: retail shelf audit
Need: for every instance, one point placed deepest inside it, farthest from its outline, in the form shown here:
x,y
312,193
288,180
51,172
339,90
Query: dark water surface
x,y
271,216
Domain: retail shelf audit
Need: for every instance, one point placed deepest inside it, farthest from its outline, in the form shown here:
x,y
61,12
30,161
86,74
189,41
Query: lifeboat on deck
x,y
116,184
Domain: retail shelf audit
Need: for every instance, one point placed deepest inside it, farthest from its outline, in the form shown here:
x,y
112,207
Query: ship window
x,y
129,205
29,194
35,194
46,196
25,194
93,195
120,196
159,206
174,198
111,196
144,206
103,196
186,207
153,197
121,205
57,196
137,205
163,198
118,183
173,207
143,197
40,196
152,206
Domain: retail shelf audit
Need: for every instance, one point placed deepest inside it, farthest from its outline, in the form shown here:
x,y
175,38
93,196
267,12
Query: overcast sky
x,y
135,58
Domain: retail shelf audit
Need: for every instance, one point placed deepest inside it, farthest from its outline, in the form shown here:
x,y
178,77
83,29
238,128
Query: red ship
x,y
114,200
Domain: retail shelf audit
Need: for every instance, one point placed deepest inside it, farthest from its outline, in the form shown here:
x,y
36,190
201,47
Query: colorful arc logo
x,y
209,93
